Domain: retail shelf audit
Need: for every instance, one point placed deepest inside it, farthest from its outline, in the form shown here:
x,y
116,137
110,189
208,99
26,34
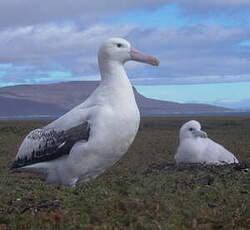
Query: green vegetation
x,y
142,191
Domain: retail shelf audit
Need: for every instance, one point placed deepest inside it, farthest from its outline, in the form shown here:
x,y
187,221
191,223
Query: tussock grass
x,y
144,190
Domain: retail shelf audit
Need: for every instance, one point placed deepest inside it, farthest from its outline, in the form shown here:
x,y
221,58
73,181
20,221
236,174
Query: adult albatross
x,y
84,142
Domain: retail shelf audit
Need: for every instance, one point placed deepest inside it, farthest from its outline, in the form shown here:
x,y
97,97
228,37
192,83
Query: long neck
x,y
114,76
111,71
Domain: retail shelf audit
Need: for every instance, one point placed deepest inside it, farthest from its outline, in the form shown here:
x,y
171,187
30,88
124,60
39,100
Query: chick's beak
x,y
200,133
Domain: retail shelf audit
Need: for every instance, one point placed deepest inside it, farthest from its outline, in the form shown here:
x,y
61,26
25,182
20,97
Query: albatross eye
x,y
119,45
190,129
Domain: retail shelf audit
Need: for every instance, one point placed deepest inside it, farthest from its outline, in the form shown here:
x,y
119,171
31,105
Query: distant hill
x,y
240,105
58,98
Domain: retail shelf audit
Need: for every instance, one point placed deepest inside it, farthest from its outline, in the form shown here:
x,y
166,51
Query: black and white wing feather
x,y
47,144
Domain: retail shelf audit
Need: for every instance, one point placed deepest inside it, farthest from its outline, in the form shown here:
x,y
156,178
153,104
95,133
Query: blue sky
x,y
204,46
218,94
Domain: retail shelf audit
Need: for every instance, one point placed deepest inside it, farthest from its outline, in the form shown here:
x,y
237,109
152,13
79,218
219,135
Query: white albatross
x,y
196,147
84,142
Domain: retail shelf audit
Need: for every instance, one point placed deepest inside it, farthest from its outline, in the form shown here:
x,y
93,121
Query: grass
x,y
144,190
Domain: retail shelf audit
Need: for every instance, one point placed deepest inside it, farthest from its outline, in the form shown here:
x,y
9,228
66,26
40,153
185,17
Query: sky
x,y
204,46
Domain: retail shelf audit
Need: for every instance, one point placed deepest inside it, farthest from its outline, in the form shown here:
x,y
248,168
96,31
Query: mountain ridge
x,y
58,98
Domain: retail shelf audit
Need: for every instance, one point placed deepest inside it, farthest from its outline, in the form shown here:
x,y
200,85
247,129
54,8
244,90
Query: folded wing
x,y
47,144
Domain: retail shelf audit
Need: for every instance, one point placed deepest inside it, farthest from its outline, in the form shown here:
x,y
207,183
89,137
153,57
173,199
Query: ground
x,y
144,190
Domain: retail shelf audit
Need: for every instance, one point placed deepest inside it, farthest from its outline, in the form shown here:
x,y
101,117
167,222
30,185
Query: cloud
x,y
20,13
236,9
195,54
47,36
193,5
191,53
27,12
188,80
15,13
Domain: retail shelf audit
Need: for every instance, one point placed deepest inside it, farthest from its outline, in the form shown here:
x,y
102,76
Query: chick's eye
x,y
191,129
119,45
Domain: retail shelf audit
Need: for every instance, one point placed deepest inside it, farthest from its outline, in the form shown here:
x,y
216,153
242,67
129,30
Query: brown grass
x,y
142,191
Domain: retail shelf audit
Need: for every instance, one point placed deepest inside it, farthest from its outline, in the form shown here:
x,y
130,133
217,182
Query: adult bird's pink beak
x,y
138,56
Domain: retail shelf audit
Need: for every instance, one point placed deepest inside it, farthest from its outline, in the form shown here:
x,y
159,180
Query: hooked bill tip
x,y
156,62
138,56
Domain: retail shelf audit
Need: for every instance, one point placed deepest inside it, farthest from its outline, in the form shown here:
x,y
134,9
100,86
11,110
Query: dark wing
x,y
48,144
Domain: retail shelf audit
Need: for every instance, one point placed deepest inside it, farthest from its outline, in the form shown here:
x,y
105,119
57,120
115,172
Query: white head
x,y
192,129
120,50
